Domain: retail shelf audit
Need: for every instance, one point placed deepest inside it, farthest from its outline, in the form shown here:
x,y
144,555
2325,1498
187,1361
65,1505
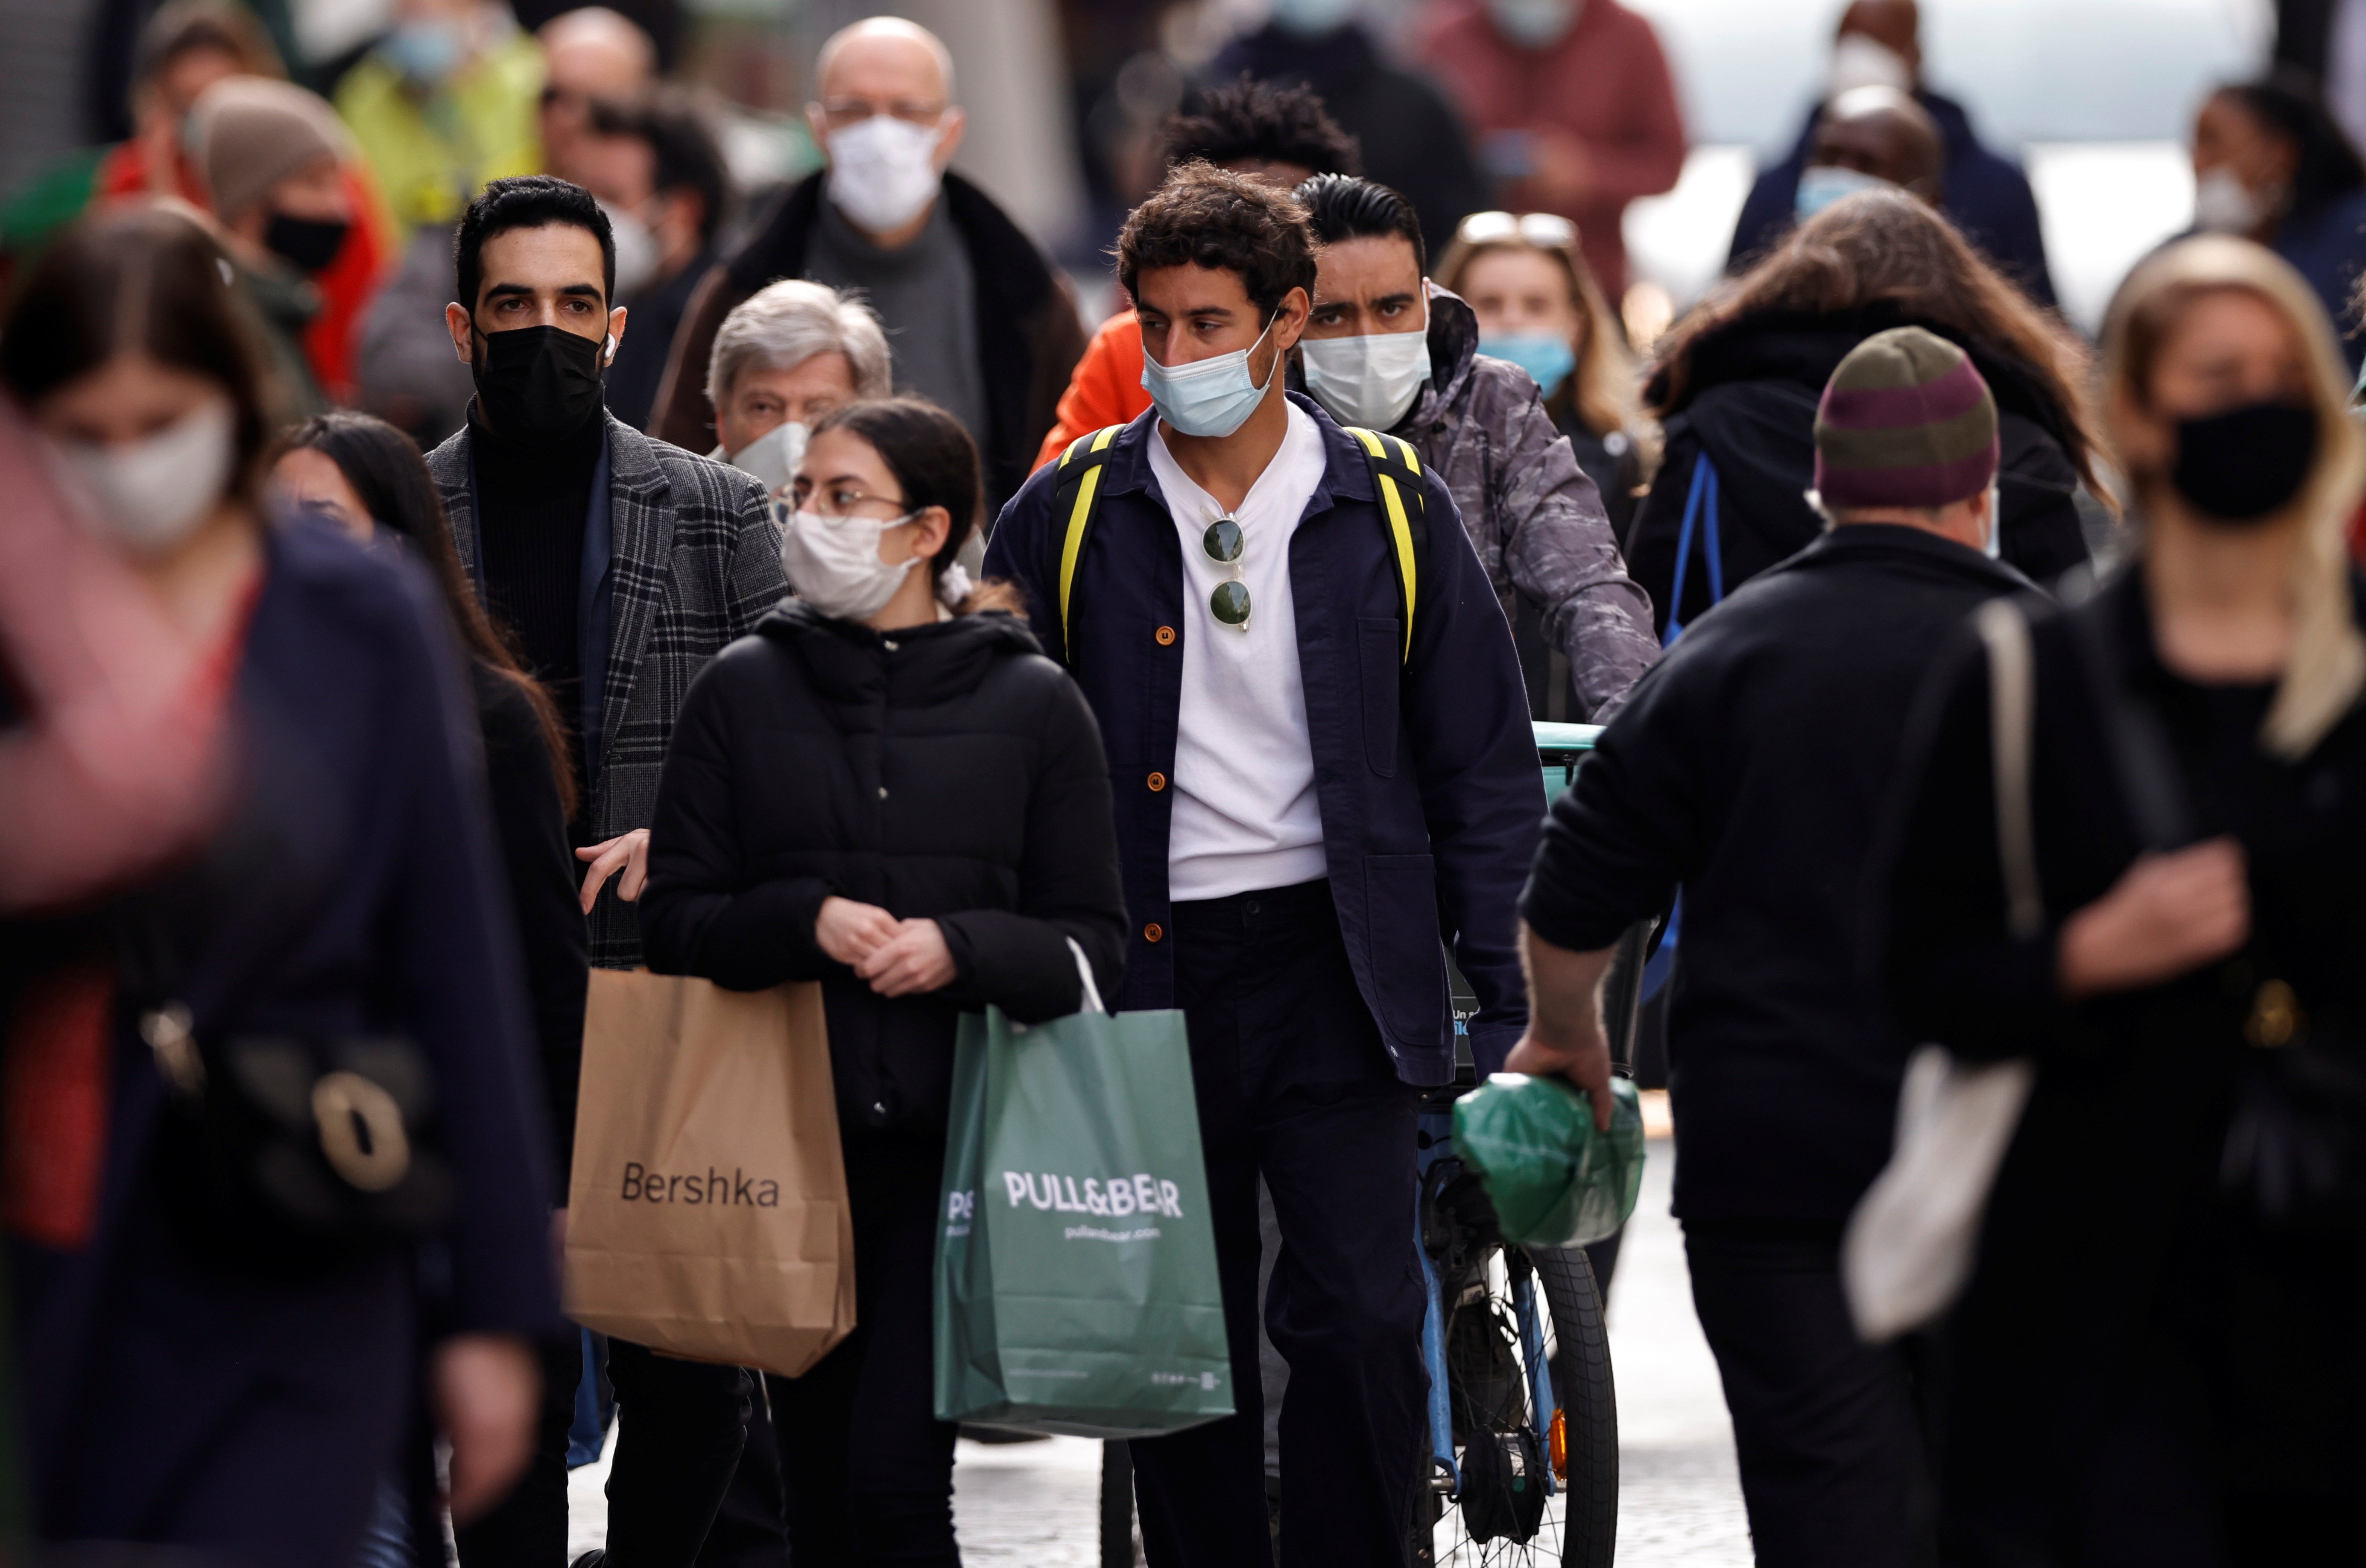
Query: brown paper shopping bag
x,y
707,1216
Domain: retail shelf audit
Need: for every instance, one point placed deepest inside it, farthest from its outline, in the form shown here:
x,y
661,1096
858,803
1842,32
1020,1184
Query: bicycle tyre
x,y
1589,1403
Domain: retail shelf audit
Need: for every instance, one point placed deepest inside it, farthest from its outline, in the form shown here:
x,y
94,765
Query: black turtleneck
x,y
533,499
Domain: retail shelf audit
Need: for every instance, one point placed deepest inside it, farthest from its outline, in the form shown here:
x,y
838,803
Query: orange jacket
x,y
1106,388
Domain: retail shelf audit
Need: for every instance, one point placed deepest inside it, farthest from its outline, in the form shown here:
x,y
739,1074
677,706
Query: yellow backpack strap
x,y
1075,497
1396,482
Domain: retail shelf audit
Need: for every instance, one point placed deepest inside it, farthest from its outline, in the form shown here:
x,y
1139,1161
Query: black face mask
x,y
538,383
309,244
2245,465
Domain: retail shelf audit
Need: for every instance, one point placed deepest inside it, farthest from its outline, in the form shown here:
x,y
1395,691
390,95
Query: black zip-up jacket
x,y
949,773
1750,766
1749,401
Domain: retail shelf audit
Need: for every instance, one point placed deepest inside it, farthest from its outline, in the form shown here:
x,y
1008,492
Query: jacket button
x,y
883,792
1165,637
890,644
1153,932
1157,782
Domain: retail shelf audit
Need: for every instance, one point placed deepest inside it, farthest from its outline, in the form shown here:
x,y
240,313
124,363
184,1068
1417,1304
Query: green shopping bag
x,y
1554,1180
1076,1286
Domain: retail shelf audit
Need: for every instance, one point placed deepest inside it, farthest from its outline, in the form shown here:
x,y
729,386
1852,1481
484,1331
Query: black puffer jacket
x,y
1750,400
947,772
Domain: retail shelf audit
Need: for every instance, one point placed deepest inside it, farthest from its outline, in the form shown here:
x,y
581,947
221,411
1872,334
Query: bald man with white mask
x,y
979,320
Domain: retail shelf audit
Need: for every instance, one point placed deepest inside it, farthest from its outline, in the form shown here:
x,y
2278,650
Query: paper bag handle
x,y
1092,994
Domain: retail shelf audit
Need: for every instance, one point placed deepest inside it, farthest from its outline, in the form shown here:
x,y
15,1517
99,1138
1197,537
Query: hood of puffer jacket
x,y
848,662
1453,344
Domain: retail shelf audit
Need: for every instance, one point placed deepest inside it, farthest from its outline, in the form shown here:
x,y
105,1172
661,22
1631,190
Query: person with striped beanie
x,y
1751,768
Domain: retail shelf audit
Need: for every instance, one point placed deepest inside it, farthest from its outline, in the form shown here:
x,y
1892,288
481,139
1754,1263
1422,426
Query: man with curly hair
x,y
1319,746
1279,135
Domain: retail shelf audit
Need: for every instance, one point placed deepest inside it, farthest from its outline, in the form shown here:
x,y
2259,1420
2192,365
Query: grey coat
x,y
1535,518
696,562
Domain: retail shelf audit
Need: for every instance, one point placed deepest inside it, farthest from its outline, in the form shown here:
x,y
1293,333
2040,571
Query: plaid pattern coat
x,y
696,564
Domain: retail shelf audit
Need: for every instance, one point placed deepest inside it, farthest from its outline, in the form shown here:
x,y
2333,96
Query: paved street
x,y
1680,1505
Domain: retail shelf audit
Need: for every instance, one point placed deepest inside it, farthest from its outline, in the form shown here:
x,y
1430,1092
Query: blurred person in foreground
x,y
1411,137
990,879
1735,385
1539,306
2272,165
1387,350
444,102
1304,817
2156,1357
590,56
1878,44
361,475
273,157
1573,106
1280,135
652,165
791,355
980,322
201,1371
186,48
621,565
1745,772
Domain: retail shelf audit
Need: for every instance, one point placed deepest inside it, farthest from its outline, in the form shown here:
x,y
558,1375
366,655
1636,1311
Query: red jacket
x,y
1606,82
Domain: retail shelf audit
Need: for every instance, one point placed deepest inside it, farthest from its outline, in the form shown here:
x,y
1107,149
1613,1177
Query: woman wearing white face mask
x,y
887,789
789,356
213,1356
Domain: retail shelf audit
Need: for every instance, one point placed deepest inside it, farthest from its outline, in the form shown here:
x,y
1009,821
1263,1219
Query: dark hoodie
x,y
1751,401
948,771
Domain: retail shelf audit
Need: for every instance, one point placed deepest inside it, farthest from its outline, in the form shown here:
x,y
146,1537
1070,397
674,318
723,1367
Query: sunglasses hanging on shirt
x,y
1225,542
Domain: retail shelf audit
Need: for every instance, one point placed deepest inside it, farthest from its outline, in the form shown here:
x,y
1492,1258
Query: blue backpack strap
x,y
1700,506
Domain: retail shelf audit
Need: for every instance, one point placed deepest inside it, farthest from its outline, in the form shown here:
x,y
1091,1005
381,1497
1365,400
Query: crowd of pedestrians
x,y
370,688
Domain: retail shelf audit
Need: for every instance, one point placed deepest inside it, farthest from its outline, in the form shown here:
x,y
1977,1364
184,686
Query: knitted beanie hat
x,y
247,133
1905,420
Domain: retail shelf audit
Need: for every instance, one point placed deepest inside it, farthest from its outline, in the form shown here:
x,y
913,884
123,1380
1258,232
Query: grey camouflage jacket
x,y
1534,517
695,562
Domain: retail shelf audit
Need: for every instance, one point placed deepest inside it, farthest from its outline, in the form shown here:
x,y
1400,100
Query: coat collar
x,y
1346,475
1895,541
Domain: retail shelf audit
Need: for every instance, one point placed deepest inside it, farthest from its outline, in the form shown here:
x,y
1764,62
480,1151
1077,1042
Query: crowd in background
x,y
482,488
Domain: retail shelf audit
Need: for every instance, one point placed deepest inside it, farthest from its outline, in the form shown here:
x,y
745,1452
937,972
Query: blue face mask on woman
x,y
1548,359
1208,397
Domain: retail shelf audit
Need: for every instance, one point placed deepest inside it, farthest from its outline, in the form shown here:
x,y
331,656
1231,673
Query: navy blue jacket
x,y
2326,245
1988,196
1424,767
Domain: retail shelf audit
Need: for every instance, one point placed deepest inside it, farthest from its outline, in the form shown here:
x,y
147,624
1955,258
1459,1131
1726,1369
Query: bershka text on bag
x,y
643,1186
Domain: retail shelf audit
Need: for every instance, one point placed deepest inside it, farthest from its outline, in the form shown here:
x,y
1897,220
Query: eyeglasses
x,y
839,113
1224,541
837,500
1546,231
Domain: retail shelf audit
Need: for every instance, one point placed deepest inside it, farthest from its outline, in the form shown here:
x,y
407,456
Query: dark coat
x,y
639,368
542,874
947,772
1747,767
1750,400
1425,769
1988,195
172,1397
1029,337
2113,1277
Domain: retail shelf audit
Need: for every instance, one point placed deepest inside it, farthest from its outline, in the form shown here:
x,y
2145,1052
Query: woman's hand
x,y
628,852
852,932
913,961
2169,914
487,1391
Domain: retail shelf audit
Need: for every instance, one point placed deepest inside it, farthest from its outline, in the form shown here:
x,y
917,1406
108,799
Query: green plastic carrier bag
x,y
1076,1287
1555,1182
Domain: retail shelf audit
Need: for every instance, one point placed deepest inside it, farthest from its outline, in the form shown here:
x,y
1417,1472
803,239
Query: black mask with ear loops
x,y
2245,465
540,383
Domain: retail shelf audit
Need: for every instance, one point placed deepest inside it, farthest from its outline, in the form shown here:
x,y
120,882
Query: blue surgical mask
x,y
1826,182
424,51
1535,24
1548,359
1208,397
1313,18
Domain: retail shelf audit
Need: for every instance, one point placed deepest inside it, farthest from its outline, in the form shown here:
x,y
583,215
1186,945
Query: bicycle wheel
x,y
1589,1406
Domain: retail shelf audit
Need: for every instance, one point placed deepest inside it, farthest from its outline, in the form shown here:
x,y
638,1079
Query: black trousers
x,y
679,1429
1828,1429
866,1467
1292,1081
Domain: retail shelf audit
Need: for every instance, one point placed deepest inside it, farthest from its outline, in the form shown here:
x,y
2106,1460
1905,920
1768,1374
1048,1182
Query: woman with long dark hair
x,y
304,1049
364,475
2157,1358
1736,382
888,789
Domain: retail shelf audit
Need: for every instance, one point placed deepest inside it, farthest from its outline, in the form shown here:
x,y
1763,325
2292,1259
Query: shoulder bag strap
x,y
1700,506
1076,501
2011,724
1396,474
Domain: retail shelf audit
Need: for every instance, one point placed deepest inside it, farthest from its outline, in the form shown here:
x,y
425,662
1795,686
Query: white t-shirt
x,y
1244,814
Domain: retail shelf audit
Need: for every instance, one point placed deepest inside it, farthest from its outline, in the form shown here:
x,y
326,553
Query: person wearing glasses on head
x,y
1311,791
1386,349
981,324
